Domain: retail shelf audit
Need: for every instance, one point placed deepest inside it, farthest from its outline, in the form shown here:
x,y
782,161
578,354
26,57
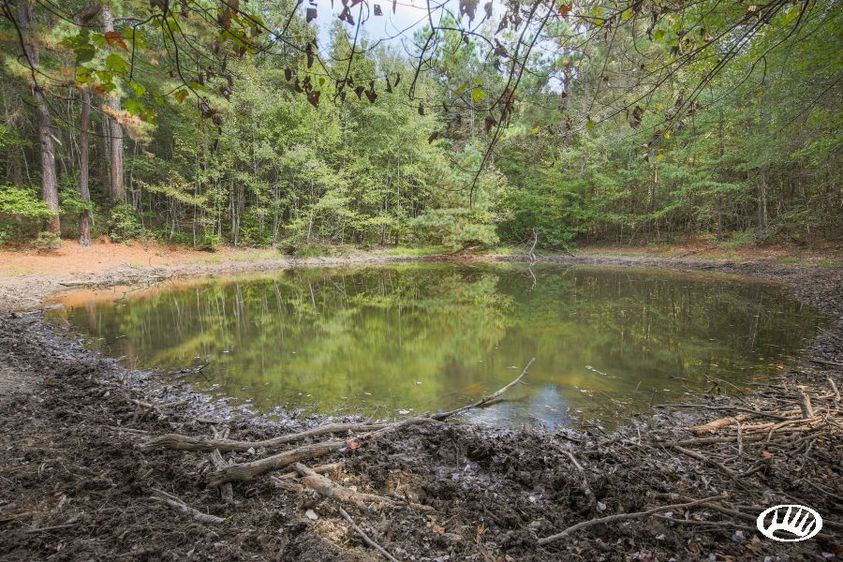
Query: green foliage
x,y
241,150
47,241
124,223
456,229
22,203
21,213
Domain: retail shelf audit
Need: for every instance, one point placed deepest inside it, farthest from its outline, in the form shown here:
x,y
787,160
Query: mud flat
x,y
100,462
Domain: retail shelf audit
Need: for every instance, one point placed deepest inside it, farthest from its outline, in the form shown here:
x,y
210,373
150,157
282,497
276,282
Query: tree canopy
x,y
209,121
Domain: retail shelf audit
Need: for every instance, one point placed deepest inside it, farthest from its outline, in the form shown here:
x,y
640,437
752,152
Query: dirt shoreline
x,y
77,485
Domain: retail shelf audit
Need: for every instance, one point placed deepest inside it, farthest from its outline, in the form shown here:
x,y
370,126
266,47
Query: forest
x,y
246,123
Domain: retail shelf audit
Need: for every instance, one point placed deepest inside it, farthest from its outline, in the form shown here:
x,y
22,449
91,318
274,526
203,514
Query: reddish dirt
x,y
101,256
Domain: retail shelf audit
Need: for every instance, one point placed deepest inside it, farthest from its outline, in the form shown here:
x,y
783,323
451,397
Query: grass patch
x,y
15,271
416,251
739,239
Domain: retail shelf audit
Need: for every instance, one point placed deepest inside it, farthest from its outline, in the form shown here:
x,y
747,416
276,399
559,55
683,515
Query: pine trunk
x,y
49,183
118,186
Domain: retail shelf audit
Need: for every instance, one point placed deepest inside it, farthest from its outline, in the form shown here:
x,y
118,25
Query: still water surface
x,y
388,341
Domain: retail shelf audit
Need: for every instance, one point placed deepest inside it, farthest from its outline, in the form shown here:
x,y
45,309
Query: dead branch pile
x,y
746,452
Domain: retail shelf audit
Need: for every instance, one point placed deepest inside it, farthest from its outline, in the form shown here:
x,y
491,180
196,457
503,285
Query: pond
x,y
394,340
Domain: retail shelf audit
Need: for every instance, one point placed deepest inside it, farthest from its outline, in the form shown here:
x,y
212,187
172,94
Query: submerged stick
x,y
486,399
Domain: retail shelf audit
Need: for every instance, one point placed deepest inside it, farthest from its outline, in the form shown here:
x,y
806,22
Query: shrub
x,y
124,223
457,229
21,212
47,241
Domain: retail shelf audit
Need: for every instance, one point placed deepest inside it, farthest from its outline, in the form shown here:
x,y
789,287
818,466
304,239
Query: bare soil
x,y
76,484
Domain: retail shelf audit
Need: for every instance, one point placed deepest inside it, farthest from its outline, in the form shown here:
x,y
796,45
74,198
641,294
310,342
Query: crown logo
x,y
789,523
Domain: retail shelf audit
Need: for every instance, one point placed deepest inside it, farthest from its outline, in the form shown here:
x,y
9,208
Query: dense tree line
x,y
661,121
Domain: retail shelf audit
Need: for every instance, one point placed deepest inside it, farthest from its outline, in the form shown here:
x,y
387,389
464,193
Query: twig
x,y
188,443
704,459
366,537
178,504
834,389
805,404
226,491
622,517
584,482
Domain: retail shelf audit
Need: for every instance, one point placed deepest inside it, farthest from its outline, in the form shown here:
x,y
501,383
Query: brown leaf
x,y
636,116
489,122
114,38
313,98
309,52
564,10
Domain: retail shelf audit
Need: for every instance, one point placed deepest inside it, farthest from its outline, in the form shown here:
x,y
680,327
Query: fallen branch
x,y
714,425
188,443
623,517
248,470
707,460
226,492
176,503
328,488
366,537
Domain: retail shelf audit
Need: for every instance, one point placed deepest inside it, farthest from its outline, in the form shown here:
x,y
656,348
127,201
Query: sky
x,y
391,28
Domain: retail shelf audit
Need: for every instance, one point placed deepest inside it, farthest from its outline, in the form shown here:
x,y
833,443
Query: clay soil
x,y
78,485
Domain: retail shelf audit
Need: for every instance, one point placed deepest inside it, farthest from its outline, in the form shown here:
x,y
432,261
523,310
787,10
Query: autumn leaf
x,y
635,117
180,95
114,38
313,98
489,122
564,10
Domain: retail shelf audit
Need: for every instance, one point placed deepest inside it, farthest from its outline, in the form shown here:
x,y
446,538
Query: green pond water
x,y
389,341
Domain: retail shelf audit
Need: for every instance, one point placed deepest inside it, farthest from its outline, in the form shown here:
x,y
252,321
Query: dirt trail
x,y
78,486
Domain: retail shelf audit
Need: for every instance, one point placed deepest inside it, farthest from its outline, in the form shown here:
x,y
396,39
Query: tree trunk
x,y
118,187
49,184
84,191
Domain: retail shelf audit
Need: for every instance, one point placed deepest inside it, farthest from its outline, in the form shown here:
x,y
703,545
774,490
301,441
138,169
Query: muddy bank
x,y
78,485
